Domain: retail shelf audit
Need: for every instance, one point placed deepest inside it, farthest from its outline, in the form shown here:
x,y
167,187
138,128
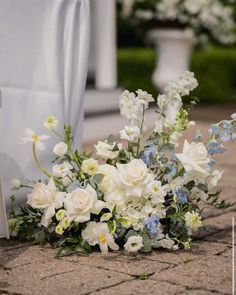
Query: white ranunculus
x,y
90,166
134,244
213,179
46,198
60,149
105,150
130,133
193,220
157,191
81,203
110,175
62,170
98,234
15,184
134,177
194,158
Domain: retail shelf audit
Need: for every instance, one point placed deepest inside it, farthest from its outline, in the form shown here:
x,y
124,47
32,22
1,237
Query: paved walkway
x,y
206,269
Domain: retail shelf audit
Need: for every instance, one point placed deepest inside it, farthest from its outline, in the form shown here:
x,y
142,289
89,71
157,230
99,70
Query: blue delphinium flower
x,y
150,224
227,124
148,153
212,163
197,137
225,136
215,148
214,130
171,170
181,196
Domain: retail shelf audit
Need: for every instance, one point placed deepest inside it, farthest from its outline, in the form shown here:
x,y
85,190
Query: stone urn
x,y
173,52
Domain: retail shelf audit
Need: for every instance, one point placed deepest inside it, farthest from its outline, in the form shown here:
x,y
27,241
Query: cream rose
x,y
60,149
81,203
110,175
194,158
46,198
134,177
105,150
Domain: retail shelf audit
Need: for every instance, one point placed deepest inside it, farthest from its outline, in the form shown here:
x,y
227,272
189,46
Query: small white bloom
x,y
144,97
163,242
130,133
233,116
194,158
105,150
98,234
51,122
60,149
60,214
81,203
134,244
46,198
62,170
193,220
213,179
196,193
110,176
31,136
158,192
174,137
15,184
90,166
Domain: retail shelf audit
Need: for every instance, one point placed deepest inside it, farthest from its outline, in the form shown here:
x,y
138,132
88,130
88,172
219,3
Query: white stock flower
x,y
51,122
62,170
31,136
110,175
134,244
144,97
157,191
90,166
134,177
46,198
81,203
194,158
130,133
105,150
98,234
60,149
193,220
15,184
174,138
129,105
213,179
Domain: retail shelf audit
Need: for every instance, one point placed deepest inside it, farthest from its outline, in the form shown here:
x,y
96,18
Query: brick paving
x,y
205,269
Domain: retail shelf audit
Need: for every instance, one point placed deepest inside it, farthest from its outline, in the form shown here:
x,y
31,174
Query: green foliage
x,y
214,67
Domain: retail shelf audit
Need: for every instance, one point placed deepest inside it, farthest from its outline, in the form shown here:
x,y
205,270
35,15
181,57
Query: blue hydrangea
x,y
150,224
215,148
147,153
181,196
171,170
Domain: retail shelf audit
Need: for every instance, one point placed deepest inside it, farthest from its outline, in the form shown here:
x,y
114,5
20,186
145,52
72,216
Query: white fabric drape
x,y
44,47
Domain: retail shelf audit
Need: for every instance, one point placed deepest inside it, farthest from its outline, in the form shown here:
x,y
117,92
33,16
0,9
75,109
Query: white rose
x,y
90,166
15,184
134,177
130,133
105,150
60,149
81,203
133,244
62,170
194,158
213,179
46,198
110,175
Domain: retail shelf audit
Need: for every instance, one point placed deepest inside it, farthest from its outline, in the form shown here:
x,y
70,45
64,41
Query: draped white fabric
x,y
44,47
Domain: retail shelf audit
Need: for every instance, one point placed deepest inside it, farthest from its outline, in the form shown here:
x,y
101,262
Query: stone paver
x,y
205,269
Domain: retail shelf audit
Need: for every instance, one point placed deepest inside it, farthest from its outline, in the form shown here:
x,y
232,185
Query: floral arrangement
x,y
137,194
213,18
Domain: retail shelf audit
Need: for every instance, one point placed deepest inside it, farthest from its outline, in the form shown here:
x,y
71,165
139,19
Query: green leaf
x,y
147,247
131,233
86,245
112,226
73,240
65,251
111,139
81,250
114,211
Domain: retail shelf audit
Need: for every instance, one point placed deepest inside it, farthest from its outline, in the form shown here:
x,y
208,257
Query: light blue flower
x,y
225,136
215,148
227,124
181,196
150,224
197,137
148,153
214,130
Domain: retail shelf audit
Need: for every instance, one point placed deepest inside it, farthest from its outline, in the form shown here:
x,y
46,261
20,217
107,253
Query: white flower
x,y
196,193
174,137
194,158
193,220
81,203
115,197
134,244
31,136
213,179
194,6
62,170
233,116
158,126
144,97
105,150
134,177
51,122
90,166
129,105
157,191
15,184
60,214
46,198
110,175
60,149
98,234
166,242
130,133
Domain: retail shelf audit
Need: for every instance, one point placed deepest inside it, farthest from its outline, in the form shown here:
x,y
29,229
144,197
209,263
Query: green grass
x,y
215,69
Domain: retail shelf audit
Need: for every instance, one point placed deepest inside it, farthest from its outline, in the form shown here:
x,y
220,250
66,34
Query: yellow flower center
x,y
35,137
156,189
103,239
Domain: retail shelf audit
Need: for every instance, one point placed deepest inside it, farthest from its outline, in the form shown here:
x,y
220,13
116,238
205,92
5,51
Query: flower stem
x,y
141,131
38,163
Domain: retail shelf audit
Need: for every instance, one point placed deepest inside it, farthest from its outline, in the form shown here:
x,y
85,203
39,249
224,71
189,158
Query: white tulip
x,y
60,149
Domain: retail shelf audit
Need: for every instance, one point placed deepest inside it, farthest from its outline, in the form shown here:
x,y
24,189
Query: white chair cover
x,y
44,47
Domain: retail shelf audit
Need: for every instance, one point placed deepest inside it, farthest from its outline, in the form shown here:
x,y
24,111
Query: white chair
x,y
44,47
